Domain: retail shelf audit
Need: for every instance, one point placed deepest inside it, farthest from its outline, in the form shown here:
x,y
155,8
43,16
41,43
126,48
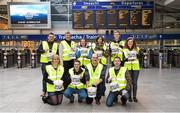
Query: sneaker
x,y
130,99
123,100
72,99
135,99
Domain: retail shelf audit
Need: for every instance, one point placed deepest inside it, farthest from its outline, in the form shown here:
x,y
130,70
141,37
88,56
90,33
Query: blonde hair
x,y
56,56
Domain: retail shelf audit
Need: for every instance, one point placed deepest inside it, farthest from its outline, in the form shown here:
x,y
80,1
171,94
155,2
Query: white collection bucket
x,y
92,92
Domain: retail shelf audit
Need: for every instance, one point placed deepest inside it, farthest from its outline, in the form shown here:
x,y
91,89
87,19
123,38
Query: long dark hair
x,y
134,43
98,37
85,42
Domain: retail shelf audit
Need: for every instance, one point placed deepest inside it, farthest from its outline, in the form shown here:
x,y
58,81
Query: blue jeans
x,y
113,95
70,91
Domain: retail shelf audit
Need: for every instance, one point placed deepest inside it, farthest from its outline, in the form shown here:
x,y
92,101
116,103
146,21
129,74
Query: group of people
x,y
69,69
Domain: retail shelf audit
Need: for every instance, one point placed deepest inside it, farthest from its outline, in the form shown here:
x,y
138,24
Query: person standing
x,y
101,50
84,53
95,77
116,47
47,49
77,85
68,54
131,53
120,82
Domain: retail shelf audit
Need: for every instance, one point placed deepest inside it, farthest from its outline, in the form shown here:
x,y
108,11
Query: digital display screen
x,y
29,15
110,15
123,18
78,19
89,19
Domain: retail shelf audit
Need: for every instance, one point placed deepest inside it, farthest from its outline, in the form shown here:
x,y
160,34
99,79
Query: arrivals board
x,y
113,15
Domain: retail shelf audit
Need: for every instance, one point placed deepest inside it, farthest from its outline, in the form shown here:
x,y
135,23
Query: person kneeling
x,y
54,82
77,84
120,82
95,80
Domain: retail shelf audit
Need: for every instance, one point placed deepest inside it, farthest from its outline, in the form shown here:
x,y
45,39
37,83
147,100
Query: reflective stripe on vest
x,y
67,50
120,52
94,75
79,86
53,75
103,59
131,65
122,43
83,59
44,56
120,77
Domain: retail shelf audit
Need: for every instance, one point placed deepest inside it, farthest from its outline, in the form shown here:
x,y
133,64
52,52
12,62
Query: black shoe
x,y
98,102
135,99
124,100
130,99
72,99
79,100
44,99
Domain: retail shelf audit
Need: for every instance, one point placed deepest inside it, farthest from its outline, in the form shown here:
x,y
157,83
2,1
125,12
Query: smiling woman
x,y
54,82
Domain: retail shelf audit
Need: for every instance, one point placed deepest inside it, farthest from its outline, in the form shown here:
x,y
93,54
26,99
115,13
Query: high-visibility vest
x,y
122,43
74,86
44,56
119,78
53,75
67,50
131,65
84,58
120,51
103,59
94,75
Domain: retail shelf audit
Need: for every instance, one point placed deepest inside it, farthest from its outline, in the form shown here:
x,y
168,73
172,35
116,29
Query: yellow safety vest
x,y
120,52
67,50
44,56
103,59
78,86
131,65
119,78
83,59
122,43
94,75
53,75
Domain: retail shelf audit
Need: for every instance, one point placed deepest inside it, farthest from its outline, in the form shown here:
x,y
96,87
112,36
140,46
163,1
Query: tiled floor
x,y
158,91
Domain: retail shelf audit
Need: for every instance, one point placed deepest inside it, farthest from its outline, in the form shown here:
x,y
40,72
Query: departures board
x,y
113,15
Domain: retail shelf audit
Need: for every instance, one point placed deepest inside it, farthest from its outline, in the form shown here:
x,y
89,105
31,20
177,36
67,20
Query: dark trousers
x,y
90,100
43,69
134,76
113,95
67,65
